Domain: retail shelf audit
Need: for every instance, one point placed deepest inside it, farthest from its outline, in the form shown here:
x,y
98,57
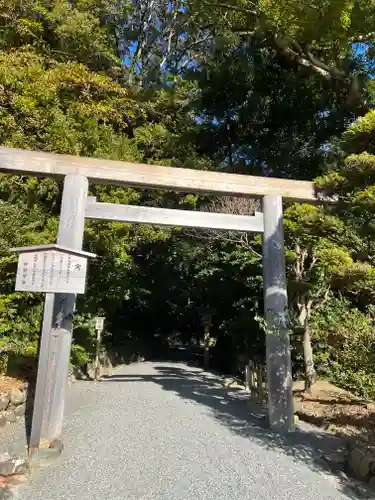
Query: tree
x,y
163,40
332,249
228,205
64,107
84,31
350,181
316,256
316,36
259,117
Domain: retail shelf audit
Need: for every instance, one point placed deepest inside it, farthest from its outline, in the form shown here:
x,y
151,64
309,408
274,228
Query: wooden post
x,y
206,347
206,313
58,324
248,376
41,403
97,363
70,234
279,369
260,383
99,323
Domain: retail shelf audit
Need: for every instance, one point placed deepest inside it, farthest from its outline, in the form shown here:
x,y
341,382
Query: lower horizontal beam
x,y
174,218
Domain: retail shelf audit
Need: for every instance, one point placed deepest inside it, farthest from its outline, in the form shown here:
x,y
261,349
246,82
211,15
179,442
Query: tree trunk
x,y
310,373
305,307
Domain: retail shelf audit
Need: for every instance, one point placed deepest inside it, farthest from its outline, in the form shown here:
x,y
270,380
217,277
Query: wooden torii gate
x,y
59,309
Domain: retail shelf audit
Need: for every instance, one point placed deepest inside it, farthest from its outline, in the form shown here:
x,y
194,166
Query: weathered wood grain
x,y
151,176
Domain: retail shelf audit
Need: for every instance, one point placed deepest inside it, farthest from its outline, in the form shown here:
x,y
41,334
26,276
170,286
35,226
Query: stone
x,y
354,460
6,467
4,401
15,480
3,420
13,471
44,457
360,464
57,444
371,483
22,467
365,468
10,416
20,410
90,371
336,457
17,397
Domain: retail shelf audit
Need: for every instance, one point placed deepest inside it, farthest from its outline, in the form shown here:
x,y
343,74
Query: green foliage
x,y
63,107
345,342
276,119
314,22
20,313
352,183
82,31
79,356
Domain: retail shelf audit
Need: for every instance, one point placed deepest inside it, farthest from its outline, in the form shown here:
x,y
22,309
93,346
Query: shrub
x,y
344,343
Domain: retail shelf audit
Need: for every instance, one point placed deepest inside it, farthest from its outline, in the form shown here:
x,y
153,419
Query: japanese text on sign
x,y
51,271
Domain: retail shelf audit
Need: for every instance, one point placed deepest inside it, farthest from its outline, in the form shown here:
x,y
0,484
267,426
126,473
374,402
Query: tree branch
x,y
237,8
281,45
235,206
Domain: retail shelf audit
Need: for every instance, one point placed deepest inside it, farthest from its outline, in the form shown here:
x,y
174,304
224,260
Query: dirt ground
x,y
336,410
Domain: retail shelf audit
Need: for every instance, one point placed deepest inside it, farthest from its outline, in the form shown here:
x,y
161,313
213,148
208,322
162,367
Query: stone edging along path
x,y
12,405
15,466
360,463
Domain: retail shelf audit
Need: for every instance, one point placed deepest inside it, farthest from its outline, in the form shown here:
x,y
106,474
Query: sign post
x,y
99,326
206,313
70,234
58,322
49,269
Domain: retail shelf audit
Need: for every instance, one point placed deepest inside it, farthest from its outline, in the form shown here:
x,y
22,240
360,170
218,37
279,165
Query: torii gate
x,y
76,206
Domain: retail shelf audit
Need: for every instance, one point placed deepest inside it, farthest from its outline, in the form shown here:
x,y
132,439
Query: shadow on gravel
x,y
231,407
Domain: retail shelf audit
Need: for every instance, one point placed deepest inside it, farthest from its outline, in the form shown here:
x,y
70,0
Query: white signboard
x,y
99,323
51,271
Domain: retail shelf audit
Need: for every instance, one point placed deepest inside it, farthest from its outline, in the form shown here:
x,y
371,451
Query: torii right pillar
x,y
279,365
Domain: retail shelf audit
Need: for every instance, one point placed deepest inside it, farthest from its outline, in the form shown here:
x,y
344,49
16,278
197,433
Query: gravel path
x,y
163,431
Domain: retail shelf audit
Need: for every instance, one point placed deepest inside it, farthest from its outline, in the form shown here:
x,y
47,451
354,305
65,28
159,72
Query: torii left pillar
x,y
57,329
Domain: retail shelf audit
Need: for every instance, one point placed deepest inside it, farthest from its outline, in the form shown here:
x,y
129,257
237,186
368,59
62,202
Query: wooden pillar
x,y
206,347
279,369
58,324
71,229
41,401
97,354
